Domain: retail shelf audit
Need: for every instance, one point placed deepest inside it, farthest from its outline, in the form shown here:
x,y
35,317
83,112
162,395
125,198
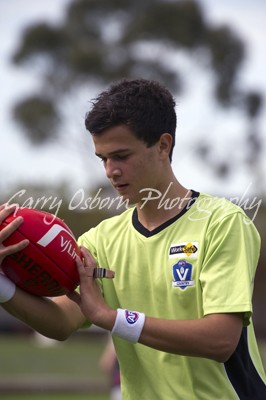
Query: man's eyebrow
x,y
113,153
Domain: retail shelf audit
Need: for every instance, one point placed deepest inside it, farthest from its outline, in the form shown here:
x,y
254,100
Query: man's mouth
x,y
120,187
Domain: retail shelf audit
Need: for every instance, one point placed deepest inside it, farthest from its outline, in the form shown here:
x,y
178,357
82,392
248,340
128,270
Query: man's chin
x,y
130,201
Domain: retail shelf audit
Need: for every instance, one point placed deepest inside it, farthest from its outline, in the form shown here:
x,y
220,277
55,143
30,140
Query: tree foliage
x,y
38,116
101,41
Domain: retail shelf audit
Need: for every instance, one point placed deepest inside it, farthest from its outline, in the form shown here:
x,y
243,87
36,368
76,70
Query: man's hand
x,y
6,210
91,300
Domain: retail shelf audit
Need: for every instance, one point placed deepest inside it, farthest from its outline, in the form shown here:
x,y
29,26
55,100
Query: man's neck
x,y
153,212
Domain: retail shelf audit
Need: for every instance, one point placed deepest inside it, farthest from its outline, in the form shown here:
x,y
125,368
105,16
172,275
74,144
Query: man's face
x,y
129,164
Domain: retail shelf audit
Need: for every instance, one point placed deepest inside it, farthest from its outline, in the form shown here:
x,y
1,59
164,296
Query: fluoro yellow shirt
x,y
201,262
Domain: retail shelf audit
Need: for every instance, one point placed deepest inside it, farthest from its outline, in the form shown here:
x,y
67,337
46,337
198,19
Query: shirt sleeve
x,y
229,266
88,240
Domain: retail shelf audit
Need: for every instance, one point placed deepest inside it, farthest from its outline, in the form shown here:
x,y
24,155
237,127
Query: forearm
x,y
214,337
45,315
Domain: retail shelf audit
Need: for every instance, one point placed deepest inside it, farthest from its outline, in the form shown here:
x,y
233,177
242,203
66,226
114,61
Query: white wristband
x,y
7,288
128,325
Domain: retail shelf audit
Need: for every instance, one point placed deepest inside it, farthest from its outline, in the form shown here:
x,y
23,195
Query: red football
x,y
46,267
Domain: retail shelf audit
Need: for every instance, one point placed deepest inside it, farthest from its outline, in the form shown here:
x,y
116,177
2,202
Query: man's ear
x,y
165,144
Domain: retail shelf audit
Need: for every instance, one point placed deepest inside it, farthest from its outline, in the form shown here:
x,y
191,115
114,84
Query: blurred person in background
x,y
109,365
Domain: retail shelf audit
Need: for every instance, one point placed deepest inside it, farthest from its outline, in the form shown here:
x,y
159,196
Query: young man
x,y
179,307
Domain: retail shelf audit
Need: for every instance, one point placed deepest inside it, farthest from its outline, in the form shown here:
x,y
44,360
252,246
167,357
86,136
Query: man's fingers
x,y
83,269
88,258
86,268
10,228
6,210
6,251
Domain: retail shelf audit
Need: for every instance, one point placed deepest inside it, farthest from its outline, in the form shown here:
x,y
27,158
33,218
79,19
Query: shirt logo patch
x,y
182,273
179,250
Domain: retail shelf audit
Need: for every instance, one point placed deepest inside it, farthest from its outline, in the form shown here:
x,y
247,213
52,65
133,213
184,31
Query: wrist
x,y
7,288
128,325
105,319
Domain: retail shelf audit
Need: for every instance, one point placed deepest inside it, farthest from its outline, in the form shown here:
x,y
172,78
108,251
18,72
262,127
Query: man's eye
x,y
115,158
124,157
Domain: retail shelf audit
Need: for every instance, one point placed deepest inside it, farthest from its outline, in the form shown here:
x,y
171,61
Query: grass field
x,y
36,396
76,357
65,371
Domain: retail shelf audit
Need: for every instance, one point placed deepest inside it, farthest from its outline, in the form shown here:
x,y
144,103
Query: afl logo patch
x,y
131,316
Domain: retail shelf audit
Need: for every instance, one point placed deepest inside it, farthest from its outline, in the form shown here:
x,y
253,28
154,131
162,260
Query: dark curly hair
x,y
144,106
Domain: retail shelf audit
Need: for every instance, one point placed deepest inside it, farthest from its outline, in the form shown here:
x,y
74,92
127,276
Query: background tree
x,y
101,41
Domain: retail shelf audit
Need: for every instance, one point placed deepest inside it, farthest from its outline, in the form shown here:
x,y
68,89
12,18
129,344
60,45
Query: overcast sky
x,y
198,116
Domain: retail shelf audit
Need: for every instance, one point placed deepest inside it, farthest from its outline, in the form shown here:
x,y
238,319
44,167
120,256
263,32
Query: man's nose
x,y
112,169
